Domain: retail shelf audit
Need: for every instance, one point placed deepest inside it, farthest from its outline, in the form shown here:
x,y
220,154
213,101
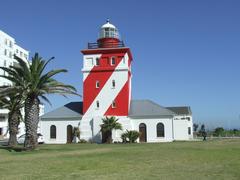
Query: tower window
x,y
113,83
113,61
97,84
97,62
97,104
113,104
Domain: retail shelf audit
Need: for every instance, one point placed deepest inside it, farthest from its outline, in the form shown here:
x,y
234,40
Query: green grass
x,y
218,159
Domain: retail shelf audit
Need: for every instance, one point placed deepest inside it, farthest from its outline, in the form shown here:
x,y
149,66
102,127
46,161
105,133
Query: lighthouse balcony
x,y
105,44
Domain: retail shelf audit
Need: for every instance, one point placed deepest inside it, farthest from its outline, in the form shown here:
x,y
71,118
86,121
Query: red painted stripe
x,y
122,102
99,73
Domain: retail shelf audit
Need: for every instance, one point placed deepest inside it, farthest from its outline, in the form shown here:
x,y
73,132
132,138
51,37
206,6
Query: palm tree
x,y
30,79
109,124
14,104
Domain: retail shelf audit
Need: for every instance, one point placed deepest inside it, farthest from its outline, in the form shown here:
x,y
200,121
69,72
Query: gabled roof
x,y
181,110
147,108
70,110
138,109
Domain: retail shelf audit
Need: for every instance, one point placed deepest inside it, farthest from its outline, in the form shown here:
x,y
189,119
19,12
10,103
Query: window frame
x,y
113,84
114,104
113,59
97,62
97,84
160,130
189,130
97,104
53,132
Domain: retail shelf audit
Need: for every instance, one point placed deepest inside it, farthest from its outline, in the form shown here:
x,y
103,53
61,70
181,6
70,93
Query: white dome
x,y
108,30
108,25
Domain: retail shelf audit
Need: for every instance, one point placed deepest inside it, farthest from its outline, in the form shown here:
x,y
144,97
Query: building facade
x,y
9,48
107,92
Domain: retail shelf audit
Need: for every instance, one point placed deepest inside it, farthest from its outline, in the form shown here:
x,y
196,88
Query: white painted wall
x,y
61,130
181,125
90,129
151,125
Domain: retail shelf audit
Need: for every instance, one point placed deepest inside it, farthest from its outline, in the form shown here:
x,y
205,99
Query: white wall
x,y
180,129
181,125
151,126
61,130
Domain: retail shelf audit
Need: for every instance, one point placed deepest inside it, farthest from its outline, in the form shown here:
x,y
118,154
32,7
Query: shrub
x,y
130,136
82,141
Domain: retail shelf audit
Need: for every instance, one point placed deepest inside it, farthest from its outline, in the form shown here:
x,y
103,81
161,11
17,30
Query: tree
x,y
109,124
195,127
30,79
203,132
14,104
219,131
130,136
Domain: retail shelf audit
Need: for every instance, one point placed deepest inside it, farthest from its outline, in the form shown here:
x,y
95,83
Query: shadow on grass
x,y
13,149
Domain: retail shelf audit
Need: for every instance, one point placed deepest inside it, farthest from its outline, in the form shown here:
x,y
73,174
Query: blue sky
x,y
185,52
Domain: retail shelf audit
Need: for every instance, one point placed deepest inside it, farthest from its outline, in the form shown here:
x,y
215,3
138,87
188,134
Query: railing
x,y
106,45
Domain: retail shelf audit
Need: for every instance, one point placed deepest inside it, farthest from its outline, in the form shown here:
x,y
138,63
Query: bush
x,y
130,136
82,141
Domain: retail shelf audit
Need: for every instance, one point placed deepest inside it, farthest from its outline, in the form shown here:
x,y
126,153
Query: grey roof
x,y
138,109
70,110
147,108
181,110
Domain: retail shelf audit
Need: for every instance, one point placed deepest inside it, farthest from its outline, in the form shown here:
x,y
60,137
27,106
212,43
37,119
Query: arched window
x,y
160,130
53,132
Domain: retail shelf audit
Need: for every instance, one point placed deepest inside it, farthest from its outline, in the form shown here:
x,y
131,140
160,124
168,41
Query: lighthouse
x,y
106,78
107,75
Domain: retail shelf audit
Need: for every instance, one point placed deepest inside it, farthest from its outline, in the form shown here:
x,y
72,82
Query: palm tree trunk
x,y
31,122
109,139
13,122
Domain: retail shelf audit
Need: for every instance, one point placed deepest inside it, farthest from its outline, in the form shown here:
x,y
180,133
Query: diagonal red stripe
x,y
99,73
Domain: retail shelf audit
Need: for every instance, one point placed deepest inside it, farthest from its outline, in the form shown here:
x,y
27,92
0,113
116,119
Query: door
x,y
69,134
143,132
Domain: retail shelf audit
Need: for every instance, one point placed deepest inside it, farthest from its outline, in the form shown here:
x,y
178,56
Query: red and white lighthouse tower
x,y
106,75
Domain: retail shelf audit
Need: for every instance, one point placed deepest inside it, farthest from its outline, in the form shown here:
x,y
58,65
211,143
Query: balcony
x,y
106,45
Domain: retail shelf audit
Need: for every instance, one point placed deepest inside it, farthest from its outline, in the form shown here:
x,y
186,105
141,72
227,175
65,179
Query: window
x,y
6,41
21,53
5,63
97,84
10,44
25,55
53,132
160,130
113,61
113,83
97,104
5,52
10,54
97,62
113,104
16,50
2,118
188,118
189,130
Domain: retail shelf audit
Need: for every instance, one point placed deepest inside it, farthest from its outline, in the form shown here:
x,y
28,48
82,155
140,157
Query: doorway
x,y
143,132
69,134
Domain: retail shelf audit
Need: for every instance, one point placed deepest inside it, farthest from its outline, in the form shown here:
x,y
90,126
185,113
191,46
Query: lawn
x,y
218,159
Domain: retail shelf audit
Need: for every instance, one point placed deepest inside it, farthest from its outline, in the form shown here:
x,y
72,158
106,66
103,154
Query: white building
x,y
8,48
107,80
